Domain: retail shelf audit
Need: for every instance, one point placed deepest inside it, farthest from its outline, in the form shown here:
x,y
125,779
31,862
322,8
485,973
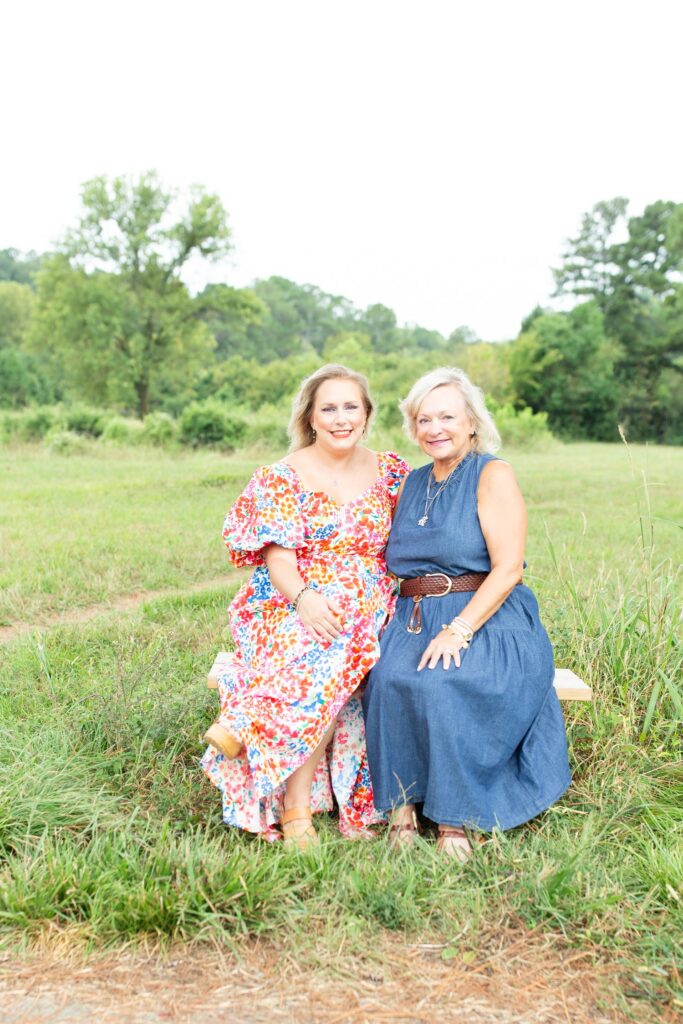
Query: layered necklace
x,y
431,498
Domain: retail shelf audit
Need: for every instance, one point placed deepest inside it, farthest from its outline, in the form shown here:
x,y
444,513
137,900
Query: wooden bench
x,y
568,686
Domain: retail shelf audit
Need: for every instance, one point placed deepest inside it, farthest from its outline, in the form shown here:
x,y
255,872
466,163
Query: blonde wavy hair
x,y
300,432
486,437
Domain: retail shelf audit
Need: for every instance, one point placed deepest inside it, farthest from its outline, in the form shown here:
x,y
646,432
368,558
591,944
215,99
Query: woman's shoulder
x,y
273,476
390,462
487,465
485,458
496,477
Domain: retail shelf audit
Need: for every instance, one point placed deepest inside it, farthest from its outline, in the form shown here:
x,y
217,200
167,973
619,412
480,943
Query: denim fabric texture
x,y
482,745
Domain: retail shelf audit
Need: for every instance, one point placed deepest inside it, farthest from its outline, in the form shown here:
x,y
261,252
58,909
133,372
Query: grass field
x,y
108,832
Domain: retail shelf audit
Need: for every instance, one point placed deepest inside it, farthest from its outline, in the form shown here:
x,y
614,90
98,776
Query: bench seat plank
x,y
567,684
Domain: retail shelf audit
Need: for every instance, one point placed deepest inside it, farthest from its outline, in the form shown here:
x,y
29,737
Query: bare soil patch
x,y
520,978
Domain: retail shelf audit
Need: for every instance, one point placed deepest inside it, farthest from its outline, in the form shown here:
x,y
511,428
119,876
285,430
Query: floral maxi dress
x,y
281,688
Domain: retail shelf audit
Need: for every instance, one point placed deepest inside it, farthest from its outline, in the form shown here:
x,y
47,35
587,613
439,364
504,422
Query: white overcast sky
x,y
429,155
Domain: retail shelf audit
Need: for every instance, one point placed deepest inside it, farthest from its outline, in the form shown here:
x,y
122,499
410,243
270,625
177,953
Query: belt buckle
x,y
449,583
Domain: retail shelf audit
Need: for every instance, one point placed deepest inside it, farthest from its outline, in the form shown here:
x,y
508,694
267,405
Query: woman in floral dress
x,y
290,734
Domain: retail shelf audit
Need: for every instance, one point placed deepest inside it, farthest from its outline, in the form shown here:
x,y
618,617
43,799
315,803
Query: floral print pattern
x,y
281,688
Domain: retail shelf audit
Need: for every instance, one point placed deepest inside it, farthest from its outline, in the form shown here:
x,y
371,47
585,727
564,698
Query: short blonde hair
x,y
486,437
300,430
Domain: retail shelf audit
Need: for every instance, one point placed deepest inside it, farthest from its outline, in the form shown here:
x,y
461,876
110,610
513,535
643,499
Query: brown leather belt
x,y
438,584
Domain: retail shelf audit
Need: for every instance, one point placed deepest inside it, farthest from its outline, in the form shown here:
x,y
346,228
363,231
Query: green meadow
x,y
110,834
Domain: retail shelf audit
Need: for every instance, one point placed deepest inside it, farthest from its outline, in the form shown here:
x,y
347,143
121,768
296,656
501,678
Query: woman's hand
x,y
444,645
321,617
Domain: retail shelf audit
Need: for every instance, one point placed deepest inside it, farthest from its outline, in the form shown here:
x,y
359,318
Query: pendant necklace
x,y
429,499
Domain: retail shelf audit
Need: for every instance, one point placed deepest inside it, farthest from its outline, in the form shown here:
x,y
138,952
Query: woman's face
x,y
443,428
339,415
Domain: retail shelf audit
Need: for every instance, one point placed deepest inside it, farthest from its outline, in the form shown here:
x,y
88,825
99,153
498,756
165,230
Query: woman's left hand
x,y
444,645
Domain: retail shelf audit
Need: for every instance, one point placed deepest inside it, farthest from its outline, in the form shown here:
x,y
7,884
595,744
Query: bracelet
x,y
461,630
464,625
297,599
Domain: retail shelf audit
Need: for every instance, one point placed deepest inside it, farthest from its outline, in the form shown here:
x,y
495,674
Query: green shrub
x,y
521,428
34,424
209,422
66,442
267,429
389,416
120,430
21,380
159,428
84,419
8,426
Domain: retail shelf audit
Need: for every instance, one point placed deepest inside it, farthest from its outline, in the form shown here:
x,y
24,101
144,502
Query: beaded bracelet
x,y
297,599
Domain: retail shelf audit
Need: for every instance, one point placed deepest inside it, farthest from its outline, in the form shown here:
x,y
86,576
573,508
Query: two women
x,y
461,714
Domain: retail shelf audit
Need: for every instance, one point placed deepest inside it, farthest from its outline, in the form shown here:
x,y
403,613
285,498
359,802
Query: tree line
x,y
108,319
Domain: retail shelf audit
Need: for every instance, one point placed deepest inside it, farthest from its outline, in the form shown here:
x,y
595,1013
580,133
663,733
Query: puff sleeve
x,y
267,512
396,470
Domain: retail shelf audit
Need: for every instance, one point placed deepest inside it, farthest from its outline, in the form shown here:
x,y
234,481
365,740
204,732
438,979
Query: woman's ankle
x,y
296,798
403,815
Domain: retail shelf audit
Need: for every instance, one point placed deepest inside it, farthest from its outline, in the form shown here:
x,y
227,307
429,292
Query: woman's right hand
x,y
321,617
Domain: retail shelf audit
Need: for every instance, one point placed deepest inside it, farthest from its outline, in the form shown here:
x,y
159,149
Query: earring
x,y
314,433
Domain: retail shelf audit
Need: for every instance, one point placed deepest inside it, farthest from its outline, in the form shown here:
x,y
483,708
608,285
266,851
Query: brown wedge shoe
x,y
223,741
304,839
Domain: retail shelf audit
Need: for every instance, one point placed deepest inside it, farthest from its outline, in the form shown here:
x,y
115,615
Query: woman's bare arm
x,y
320,616
503,519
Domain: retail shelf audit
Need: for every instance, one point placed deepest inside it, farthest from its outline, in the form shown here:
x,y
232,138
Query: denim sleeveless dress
x,y
482,745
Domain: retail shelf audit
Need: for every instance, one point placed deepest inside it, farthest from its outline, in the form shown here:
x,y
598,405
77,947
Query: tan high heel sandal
x,y
304,840
224,742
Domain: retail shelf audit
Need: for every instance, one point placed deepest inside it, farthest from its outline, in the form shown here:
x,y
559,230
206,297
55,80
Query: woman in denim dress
x,y
461,713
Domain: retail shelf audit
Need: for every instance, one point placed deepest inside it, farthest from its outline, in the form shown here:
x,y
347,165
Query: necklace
x,y
429,499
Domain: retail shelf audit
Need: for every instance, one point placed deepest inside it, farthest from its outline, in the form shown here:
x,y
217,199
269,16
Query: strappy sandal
x,y
404,834
224,742
455,849
305,839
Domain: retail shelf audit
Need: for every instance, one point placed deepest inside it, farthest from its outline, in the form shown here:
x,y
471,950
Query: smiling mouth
x,y
341,433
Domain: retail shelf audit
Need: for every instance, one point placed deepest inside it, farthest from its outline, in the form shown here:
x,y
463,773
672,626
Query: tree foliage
x,y
631,268
18,267
114,313
16,307
113,323
563,364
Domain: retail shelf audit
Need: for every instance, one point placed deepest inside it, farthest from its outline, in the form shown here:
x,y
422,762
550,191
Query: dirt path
x,y
520,979
124,603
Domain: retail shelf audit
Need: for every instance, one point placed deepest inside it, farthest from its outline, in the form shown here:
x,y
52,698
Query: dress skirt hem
x,y
482,825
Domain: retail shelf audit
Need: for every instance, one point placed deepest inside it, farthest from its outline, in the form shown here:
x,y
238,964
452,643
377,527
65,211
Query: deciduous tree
x,y
113,307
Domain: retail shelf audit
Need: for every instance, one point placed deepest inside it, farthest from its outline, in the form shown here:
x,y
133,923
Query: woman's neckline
x,y
324,494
